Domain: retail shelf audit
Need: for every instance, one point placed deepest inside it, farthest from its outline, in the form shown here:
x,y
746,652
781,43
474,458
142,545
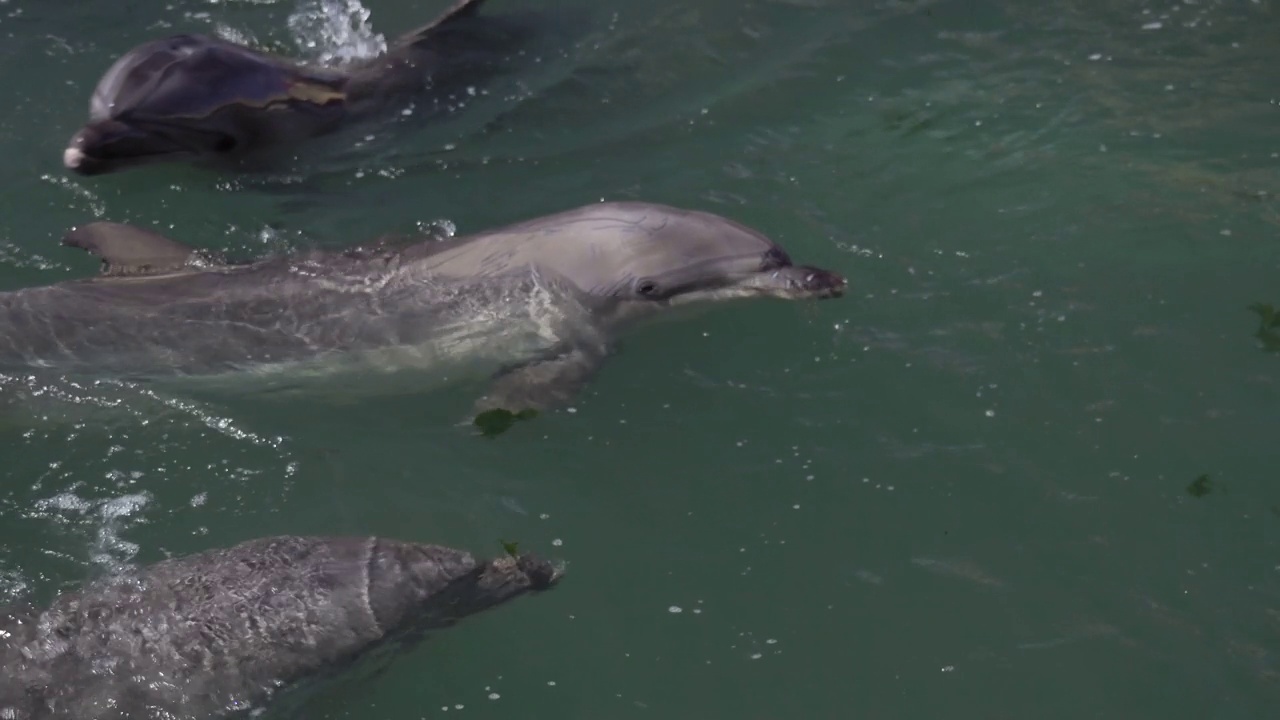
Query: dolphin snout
x,y
818,282
802,281
79,155
96,147
108,145
541,573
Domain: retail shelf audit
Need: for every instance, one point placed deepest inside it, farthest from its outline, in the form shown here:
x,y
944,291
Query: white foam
x,y
338,30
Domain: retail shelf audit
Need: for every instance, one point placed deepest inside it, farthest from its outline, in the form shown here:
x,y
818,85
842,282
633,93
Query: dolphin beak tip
x,y
78,161
841,285
73,158
826,284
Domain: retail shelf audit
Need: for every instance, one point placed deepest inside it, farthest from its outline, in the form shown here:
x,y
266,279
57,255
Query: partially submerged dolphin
x,y
221,631
543,299
201,98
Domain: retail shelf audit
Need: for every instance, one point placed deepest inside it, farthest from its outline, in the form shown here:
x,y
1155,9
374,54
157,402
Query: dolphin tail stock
x,y
455,56
448,40
511,21
131,250
459,10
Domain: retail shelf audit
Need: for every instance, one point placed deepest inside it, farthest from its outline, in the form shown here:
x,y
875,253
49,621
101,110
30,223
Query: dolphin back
x,y
200,636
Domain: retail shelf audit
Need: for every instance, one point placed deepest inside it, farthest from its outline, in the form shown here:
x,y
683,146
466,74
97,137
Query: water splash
x,y
108,516
336,31
12,585
439,229
235,35
95,204
15,256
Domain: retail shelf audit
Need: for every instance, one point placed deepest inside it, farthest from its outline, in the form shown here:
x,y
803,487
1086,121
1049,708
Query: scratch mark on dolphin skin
x,y
371,555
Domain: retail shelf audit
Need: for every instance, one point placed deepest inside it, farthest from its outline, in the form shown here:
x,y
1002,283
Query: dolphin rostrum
x,y
221,631
540,301
201,98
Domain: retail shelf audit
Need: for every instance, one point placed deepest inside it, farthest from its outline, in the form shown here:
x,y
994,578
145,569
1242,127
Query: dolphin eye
x,y
647,288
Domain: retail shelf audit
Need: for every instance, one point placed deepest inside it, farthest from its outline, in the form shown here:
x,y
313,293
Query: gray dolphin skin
x,y
222,631
204,99
540,301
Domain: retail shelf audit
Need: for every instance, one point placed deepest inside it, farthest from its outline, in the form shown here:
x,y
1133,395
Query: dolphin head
x,y
639,253
192,97
431,585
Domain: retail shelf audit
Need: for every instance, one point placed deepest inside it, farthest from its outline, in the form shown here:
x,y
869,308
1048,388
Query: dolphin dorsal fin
x,y
129,249
460,9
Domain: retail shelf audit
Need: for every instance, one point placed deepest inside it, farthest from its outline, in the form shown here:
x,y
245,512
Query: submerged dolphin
x,y
542,298
209,634
200,98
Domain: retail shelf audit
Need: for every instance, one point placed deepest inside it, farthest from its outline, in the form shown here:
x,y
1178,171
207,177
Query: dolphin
x,y
540,301
203,99
222,631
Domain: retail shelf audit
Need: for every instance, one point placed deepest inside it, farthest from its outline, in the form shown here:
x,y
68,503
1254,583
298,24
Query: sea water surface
x,y
1026,468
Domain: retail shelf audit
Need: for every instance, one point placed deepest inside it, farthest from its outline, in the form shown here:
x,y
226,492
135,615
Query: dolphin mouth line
x,y
165,138
86,163
76,159
827,294
802,294
790,283
799,282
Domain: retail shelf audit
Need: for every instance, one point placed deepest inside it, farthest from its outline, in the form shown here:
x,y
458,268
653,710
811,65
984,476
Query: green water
x,y
963,490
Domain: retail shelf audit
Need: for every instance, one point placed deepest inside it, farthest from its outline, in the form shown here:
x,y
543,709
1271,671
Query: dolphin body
x,y
203,99
541,301
221,631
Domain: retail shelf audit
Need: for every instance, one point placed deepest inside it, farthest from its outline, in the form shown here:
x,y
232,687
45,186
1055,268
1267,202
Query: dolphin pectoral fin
x,y
130,250
542,384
